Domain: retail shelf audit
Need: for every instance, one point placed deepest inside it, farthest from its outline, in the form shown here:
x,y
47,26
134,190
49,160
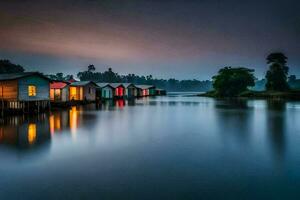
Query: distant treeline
x,y
294,83
170,85
7,67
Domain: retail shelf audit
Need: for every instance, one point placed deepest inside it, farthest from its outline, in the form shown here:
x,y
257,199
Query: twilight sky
x,y
184,39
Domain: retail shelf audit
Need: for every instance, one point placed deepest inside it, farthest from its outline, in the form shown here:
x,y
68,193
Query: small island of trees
x,y
238,81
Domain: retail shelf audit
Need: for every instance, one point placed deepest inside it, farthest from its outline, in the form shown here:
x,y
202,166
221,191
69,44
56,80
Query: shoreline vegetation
x,y
235,82
250,94
230,82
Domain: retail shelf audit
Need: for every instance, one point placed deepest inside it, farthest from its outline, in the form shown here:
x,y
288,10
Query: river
x,y
171,147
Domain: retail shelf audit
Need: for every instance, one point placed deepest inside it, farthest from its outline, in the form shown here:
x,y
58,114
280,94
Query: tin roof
x,y
101,85
58,85
14,76
83,83
145,86
126,85
115,85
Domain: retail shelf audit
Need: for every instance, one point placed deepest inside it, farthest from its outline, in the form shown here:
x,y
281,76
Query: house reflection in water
x,y
24,132
58,121
64,120
120,103
112,104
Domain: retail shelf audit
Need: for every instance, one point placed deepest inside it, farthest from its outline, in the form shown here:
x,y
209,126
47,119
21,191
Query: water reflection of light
x,y
73,120
51,123
1,134
31,136
120,103
55,123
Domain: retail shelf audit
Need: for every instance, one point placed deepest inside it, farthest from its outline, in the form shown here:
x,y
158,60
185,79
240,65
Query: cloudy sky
x,y
184,39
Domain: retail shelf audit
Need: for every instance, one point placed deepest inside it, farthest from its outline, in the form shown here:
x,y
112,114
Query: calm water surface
x,y
173,147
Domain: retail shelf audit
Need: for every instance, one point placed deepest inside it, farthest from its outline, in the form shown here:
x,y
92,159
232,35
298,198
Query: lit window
x,y
73,93
52,94
31,90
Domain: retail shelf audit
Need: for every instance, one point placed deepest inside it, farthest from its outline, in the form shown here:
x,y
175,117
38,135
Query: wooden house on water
x,y
106,91
146,90
59,91
112,90
27,92
118,90
83,91
160,92
131,91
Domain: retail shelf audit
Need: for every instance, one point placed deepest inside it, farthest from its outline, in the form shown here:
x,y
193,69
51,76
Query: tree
x,y
7,67
109,76
292,78
91,68
232,81
278,71
59,76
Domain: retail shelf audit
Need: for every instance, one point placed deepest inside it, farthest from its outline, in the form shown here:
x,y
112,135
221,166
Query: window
x,y
73,93
90,90
57,94
31,90
51,94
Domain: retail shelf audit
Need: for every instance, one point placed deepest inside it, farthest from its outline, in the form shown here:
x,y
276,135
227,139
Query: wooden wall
x,y
65,94
106,93
87,95
9,90
42,88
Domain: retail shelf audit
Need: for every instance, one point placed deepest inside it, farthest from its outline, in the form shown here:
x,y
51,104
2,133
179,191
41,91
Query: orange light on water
x,y
1,134
31,135
51,123
73,119
57,123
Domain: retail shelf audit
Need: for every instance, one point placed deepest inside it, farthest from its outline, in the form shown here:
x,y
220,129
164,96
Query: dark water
x,y
155,148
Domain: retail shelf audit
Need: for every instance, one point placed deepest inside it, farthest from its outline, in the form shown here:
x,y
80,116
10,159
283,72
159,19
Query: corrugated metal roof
x,y
126,85
83,83
14,76
72,80
145,86
58,85
115,85
101,85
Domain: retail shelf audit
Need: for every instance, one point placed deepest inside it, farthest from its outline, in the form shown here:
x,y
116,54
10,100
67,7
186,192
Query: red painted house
x,y
118,90
59,91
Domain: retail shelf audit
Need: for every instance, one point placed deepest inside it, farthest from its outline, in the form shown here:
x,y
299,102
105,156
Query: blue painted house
x,y
18,90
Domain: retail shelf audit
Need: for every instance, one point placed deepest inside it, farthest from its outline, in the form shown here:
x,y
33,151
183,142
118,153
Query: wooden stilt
x,y
49,105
